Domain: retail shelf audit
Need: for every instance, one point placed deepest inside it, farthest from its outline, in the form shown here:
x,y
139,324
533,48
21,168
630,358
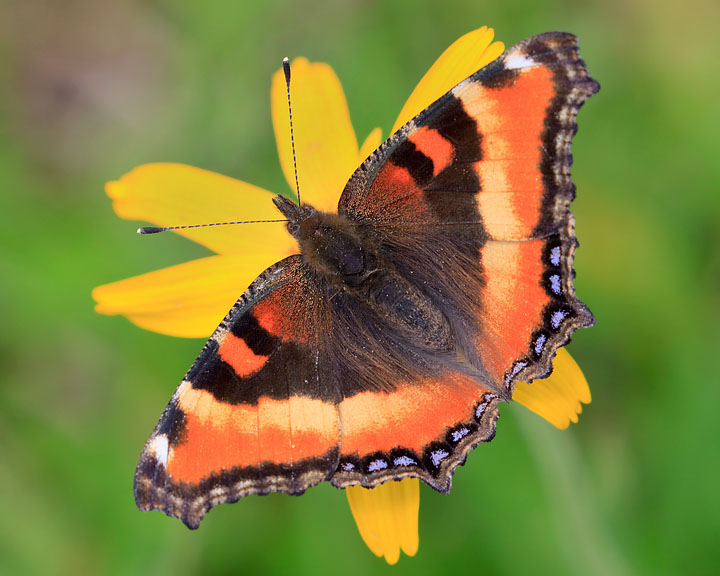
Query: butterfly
x,y
383,349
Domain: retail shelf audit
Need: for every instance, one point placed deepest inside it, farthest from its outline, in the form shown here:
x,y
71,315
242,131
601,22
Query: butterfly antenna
x,y
156,229
286,70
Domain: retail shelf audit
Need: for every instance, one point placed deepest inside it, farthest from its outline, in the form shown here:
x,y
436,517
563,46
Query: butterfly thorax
x,y
346,258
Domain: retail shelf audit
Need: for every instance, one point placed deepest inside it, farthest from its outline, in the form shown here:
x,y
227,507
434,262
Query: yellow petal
x,y
187,300
325,143
558,397
464,57
178,195
387,517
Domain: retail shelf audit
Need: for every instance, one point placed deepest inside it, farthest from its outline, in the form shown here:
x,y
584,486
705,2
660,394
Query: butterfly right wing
x,y
256,413
472,198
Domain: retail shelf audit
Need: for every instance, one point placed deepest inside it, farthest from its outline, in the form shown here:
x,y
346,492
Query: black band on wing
x,y
458,127
419,166
259,340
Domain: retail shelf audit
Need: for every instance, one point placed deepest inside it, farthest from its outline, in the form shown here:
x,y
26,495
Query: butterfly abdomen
x,y
411,312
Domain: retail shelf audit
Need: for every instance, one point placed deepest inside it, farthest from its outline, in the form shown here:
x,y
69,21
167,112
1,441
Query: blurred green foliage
x,y
92,89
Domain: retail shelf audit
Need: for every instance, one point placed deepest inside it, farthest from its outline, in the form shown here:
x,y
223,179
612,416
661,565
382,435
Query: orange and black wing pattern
x,y
421,428
256,413
459,283
473,196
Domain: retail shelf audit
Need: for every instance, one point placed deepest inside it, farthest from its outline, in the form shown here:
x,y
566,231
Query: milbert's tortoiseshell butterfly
x,y
382,350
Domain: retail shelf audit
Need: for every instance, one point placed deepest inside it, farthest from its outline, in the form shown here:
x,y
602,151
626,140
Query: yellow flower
x,y
189,300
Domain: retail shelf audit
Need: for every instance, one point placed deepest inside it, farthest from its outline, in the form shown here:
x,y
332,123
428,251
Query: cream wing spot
x,y
516,60
159,447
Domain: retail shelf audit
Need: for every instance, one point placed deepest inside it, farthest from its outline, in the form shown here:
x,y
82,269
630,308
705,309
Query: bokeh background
x,y
91,89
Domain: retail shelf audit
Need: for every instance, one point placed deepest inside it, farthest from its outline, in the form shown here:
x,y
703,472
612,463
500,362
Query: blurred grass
x,y
91,90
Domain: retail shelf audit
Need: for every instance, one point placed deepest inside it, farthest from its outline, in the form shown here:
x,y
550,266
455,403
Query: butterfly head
x,y
295,213
330,244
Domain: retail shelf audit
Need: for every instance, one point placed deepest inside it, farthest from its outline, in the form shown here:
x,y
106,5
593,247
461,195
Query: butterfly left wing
x,y
257,411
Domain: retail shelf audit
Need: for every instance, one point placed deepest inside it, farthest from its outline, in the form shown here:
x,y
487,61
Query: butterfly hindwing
x,y
422,429
256,413
410,407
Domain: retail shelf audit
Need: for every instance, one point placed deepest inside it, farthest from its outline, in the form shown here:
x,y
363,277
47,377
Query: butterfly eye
x,y
293,228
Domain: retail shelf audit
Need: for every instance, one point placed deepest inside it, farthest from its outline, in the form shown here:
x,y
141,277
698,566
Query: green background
x,y
91,89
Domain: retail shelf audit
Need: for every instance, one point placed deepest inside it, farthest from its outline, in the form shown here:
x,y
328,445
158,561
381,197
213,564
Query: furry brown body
x,y
346,257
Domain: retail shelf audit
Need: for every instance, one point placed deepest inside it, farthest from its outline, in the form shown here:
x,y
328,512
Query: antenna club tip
x,y
149,230
286,69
